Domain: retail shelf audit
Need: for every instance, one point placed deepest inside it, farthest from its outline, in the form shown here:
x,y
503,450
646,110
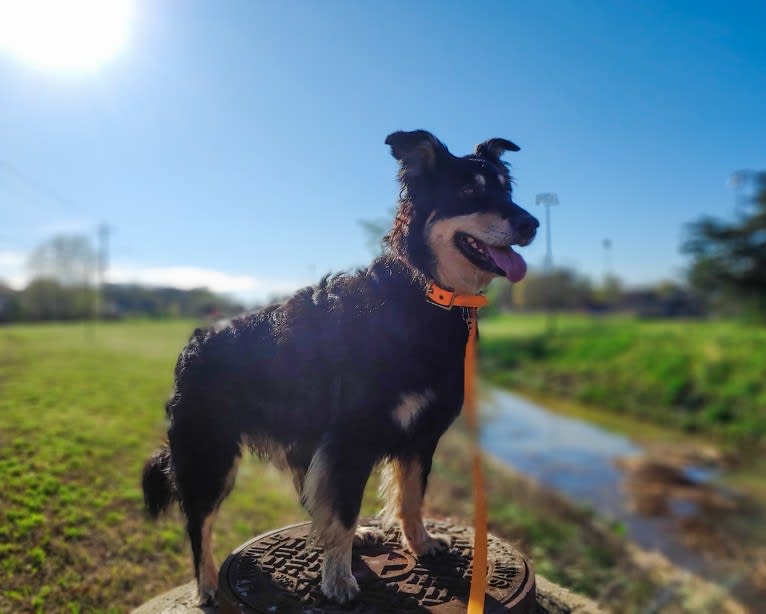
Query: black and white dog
x,y
358,369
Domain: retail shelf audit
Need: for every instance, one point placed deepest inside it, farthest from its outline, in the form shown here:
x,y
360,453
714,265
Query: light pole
x,y
547,200
607,244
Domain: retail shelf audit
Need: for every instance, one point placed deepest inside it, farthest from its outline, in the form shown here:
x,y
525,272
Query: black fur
x,y
325,369
157,482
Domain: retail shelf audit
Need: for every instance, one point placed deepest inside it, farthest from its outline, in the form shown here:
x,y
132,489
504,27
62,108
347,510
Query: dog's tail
x,y
158,481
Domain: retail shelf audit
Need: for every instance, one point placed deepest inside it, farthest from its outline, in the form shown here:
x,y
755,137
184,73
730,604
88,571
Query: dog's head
x,y
456,221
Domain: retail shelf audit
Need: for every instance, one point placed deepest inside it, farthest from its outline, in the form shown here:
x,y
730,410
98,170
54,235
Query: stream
x,y
580,460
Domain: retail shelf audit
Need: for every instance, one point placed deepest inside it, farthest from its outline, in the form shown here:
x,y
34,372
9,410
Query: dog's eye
x,y
468,191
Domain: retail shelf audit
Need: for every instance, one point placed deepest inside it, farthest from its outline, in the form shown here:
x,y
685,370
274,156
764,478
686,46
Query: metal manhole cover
x,y
276,572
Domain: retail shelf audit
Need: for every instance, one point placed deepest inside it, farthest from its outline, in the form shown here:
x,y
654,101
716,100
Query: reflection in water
x,y
655,501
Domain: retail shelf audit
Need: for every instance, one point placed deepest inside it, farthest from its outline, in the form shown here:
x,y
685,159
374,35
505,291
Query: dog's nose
x,y
525,226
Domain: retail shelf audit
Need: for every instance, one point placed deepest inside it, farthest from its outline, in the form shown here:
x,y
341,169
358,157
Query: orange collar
x,y
447,299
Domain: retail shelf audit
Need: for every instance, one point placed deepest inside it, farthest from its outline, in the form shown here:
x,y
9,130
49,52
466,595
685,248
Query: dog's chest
x,y
428,408
410,407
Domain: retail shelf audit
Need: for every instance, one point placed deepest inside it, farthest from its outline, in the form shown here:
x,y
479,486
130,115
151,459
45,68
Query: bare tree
x,y
68,259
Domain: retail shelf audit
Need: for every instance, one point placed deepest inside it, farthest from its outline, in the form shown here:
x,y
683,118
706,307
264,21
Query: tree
x,y
559,289
47,299
67,259
729,258
61,269
374,231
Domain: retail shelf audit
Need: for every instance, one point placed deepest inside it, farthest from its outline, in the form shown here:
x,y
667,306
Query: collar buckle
x,y
440,297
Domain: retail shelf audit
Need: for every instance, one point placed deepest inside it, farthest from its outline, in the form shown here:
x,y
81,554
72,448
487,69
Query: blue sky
x,y
238,144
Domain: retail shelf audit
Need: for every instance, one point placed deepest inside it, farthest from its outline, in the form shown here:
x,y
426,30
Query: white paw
x,y
432,545
368,536
340,589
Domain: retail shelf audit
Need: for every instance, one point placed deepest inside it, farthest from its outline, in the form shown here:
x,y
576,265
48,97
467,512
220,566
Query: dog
x,y
360,369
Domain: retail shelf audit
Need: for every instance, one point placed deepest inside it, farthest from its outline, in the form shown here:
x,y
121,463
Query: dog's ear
x,y
418,150
494,148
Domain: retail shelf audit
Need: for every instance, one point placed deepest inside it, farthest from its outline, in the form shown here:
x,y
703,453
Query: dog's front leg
x,y
404,485
332,493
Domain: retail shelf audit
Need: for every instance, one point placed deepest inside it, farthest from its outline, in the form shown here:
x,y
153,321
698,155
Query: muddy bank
x,y
569,544
666,496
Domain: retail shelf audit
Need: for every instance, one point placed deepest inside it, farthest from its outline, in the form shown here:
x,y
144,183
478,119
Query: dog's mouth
x,y
499,260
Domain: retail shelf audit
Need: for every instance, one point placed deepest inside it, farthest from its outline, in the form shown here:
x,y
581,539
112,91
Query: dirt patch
x,y
713,521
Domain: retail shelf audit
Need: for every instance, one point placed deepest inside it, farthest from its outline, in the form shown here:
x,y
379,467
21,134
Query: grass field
x,y
705,377
81,407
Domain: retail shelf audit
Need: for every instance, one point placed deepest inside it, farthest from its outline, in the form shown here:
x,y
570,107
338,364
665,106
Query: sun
x,y
65,35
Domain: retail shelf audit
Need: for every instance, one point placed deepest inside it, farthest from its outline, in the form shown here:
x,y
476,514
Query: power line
x,y
40,187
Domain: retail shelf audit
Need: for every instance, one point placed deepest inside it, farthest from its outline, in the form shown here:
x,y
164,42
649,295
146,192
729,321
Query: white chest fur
x,y
410,406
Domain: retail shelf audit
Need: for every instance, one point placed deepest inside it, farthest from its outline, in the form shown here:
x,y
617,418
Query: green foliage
x,y
68,259
50,300
729,258
47,299
696,376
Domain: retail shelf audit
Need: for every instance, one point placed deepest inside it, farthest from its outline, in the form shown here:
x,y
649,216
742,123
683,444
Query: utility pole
x,y
103,263
548,200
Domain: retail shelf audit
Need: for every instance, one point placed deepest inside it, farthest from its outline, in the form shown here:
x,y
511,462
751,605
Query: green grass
x,y
704,377
80,410
81,407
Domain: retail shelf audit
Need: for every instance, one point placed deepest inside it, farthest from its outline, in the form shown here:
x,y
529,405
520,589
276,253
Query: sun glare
x,y
65,35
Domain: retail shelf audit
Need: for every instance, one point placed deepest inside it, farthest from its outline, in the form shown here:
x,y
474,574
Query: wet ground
x,y
668,498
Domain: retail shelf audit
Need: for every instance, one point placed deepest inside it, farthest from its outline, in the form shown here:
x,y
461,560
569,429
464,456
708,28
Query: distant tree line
x,y
726,276
567,290
50,300
64,287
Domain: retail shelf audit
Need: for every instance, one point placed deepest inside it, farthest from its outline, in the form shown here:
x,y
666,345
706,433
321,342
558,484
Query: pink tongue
x,y
514,266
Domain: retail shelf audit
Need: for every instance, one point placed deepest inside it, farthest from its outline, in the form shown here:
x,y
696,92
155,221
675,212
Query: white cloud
x,y
247,288
12,268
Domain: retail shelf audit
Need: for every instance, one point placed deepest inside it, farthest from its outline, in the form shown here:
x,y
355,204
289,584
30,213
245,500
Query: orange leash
x,y
479,565
447,300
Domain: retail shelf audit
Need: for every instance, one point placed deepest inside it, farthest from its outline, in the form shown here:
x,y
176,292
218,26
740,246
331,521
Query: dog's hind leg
x,y
332,493
403,488
205,475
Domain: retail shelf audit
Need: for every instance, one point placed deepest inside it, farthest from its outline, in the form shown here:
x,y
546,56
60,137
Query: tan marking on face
x,y
453,269
501,178
410,406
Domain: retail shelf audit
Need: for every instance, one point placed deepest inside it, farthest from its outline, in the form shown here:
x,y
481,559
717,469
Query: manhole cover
x,y
276,572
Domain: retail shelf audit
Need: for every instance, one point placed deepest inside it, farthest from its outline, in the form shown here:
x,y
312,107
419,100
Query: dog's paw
x,y
207,585
368,536
340,589
432,545
207,597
